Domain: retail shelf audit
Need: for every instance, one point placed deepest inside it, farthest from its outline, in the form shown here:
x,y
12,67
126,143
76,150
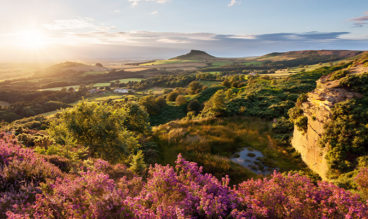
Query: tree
x,y
216,105
137,118
108,131
180,100
194,87
137,164
172,96
153,104
194,106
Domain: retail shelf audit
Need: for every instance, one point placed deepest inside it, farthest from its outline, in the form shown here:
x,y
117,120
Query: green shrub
x,y
346,134
338,74
107,131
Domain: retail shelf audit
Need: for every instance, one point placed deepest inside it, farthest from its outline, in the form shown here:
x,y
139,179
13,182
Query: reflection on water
x,y
251,159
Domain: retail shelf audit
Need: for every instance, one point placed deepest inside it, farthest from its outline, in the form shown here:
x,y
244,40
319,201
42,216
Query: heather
x,y
34,188
21,172
102,159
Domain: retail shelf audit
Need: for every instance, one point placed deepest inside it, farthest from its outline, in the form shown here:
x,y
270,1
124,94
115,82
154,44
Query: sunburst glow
x,y
31,39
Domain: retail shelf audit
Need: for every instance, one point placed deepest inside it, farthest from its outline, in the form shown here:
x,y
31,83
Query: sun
x,y
31,39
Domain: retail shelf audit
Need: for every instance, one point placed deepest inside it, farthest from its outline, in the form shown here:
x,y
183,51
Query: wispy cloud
x,y
193,40
154,12
78,23
232,3
147,45
136,2
360,21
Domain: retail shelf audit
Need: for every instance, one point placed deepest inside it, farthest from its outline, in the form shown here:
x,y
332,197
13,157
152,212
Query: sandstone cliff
x,y
317,109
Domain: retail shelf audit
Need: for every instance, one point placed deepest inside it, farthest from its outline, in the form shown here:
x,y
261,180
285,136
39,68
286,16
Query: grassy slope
x,y
212,142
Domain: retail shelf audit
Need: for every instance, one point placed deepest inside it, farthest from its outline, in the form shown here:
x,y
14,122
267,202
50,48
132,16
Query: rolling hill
x,y
195,55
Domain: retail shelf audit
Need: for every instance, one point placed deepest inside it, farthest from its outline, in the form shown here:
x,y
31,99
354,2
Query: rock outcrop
x,y
318,109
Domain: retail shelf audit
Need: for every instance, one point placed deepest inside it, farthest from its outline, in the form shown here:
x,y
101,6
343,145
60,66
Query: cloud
x,y
154,13
78,23
136,2
210,40
148,45
232,3
360,21
116,11
145,38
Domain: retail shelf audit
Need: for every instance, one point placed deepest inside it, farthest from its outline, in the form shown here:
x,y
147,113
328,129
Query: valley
x,y
183,109
243,119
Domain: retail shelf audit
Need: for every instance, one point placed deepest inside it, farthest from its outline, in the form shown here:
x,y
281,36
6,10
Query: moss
x,y
302,123
338,74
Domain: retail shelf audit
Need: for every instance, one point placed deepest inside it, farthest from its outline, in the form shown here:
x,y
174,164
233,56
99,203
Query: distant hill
x,y
196,55
310,54
72,68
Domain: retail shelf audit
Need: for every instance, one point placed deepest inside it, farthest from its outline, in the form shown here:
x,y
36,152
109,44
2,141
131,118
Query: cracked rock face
x,y
317,109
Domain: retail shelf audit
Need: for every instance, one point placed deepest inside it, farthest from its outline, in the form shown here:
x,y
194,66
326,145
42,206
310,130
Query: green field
x,y
75,87
107,96
102,84
213,72
126,80
94,73
209,83
221,63
255,63
289,71
154,90
165,62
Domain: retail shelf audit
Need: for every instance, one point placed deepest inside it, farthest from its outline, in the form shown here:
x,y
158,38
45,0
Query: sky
x,y
147,29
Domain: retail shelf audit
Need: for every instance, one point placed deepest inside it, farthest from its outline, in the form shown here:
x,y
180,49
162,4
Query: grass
x,y
213,72
165,62
221,63
75,87
106,84
295,70
126,80
155,90
254,63
102,84
94,73
199,139
51,113
96,98
209,83
105,97
4,104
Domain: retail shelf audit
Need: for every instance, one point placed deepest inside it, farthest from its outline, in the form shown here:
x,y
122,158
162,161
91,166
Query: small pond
x,y
252,159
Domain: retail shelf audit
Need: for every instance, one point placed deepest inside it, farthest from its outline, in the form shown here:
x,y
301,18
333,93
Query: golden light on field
x,y
31,39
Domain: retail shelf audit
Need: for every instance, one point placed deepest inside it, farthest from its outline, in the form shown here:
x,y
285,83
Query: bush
x,y
108,132
216,106
361,180
180,100
172,96
195,106
21,172
302,123
346,134
195,87
184,191
295,196
338,74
